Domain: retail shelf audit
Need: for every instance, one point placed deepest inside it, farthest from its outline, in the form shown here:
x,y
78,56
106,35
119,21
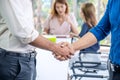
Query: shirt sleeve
x,y
103,27
19,19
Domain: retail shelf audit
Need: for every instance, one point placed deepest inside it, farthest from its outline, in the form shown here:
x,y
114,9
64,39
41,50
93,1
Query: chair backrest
x,y
89,58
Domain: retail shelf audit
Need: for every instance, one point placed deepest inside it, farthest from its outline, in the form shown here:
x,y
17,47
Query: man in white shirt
x,y
17,38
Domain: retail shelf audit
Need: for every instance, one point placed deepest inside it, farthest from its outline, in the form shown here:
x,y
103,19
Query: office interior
x,y
48,68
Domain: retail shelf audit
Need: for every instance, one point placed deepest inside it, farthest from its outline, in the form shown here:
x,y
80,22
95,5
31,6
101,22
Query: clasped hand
x,y
66,51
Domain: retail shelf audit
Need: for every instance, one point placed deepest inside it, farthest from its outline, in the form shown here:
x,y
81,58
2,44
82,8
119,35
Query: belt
x,y
30,54
115,67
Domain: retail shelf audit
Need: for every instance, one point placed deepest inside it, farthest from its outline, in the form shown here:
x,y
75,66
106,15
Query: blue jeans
x,y
17,67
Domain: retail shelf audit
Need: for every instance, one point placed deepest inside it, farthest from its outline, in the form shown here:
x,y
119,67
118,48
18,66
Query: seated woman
x,y
60,22
88,15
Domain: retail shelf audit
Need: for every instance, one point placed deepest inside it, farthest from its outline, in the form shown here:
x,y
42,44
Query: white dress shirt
x,y
16,25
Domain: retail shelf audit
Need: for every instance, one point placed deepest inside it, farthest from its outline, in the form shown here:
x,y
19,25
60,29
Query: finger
x,y
61,58
62,44
57,56
69,56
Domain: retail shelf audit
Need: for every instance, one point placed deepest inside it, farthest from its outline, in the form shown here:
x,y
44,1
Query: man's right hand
x,y
65,52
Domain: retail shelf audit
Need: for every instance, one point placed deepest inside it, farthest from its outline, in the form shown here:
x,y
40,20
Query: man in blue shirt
x,y
110,22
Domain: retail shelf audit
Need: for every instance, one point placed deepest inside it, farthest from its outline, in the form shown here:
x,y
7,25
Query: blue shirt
x,y
95,47
110,22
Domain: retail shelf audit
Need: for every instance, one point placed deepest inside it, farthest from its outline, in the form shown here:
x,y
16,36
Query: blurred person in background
x,y
60,21
88,14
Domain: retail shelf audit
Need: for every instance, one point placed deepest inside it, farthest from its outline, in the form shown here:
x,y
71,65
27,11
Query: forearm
x,y
87,40
43,43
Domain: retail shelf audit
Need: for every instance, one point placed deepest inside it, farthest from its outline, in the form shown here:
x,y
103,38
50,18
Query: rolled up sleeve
x,y
19,19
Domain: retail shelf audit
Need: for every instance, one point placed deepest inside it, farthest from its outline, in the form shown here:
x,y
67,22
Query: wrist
x,y
74,48
53,48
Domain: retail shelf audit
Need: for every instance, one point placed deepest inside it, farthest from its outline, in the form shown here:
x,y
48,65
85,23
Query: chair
x,y
87,67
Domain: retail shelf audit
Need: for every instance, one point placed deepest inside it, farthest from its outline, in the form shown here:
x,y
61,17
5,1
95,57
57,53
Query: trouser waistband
x,y
17,54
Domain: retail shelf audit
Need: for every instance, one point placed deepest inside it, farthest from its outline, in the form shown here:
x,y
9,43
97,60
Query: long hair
x,y
88,10
54,11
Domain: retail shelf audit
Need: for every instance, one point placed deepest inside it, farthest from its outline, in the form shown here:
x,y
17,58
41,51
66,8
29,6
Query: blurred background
x,y
42,10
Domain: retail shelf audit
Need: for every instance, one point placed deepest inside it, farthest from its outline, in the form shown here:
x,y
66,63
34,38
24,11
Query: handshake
x,y
63,51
